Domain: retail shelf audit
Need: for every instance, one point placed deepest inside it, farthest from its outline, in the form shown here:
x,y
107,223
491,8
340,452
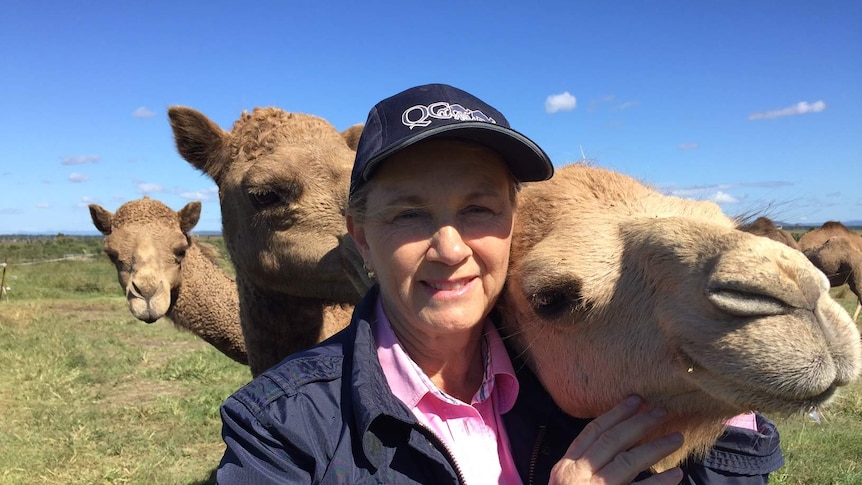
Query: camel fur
x,y
283,180
837,251
165,272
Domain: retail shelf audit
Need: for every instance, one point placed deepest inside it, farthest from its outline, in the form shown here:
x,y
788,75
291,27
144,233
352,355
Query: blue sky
x,y
755,105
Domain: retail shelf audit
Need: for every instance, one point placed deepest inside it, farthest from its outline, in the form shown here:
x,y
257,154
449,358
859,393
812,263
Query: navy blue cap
x,y
439,110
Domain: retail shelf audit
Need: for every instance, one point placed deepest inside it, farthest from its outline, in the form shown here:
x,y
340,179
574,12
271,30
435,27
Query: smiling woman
x,y
420,379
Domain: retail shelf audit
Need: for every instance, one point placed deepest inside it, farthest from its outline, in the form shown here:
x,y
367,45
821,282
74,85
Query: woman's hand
x,y
604,454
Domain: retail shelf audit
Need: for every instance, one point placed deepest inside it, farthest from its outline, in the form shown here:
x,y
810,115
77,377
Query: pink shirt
x,y
474,433
746,420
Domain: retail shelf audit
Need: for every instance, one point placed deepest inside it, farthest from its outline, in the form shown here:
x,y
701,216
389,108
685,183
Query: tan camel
x,y
837,251
165,272
765,227
283,180
616,289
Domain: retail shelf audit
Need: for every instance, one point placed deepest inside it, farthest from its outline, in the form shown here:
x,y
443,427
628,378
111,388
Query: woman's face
x,y
437,233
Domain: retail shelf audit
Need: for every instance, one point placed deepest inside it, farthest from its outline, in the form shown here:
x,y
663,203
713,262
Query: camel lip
x,y
781,403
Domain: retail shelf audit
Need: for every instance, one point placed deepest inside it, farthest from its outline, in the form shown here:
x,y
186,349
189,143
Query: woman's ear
x,y
357,233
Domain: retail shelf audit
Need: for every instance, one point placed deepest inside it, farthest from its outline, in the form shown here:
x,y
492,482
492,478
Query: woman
x,y
415,390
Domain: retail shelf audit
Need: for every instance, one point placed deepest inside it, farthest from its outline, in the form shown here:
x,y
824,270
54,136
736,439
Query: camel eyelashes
x,y
264,197
262,200
556,300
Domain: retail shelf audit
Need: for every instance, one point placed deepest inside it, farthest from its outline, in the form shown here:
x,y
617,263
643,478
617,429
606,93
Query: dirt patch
x,y
135,391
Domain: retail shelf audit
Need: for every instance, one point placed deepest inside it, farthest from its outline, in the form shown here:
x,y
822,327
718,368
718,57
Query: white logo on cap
x,y
422,115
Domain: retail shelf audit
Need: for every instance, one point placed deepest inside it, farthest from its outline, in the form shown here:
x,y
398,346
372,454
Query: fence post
x,y
3,280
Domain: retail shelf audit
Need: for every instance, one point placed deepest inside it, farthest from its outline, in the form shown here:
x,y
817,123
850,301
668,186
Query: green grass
x,y
90,395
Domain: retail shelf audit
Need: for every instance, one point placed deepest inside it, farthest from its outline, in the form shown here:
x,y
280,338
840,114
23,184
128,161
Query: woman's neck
x,y
452,362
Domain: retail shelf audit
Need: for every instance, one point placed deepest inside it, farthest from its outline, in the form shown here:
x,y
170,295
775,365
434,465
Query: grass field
x,y
90,395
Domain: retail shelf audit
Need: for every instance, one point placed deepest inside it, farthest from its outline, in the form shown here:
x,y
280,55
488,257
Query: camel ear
x,y
189,216
352,134
101,218
199,140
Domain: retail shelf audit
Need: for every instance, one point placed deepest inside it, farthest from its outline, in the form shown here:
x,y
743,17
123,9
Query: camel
x,y
764,226
613,288
616,289
165,272
283,180
837,251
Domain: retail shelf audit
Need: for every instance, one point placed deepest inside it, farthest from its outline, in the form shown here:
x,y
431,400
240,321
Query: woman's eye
x,y
408,215
477,210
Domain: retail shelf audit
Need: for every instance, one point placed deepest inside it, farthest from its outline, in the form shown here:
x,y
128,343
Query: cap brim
x,y
527,161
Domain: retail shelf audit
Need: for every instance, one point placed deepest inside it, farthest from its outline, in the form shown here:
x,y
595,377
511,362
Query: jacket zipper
x,y
432,436
534,455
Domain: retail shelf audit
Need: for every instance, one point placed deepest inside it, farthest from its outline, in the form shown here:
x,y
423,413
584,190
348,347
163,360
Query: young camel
x,y
283,180
165,272
837,251
614,289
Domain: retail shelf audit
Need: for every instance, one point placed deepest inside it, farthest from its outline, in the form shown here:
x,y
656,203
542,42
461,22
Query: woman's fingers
x,y
619,413
605,451
667,477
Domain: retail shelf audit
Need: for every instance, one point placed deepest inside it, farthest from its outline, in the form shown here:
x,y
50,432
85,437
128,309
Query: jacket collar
x,y
374,406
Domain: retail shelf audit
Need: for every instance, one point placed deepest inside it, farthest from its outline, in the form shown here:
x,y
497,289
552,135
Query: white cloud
x,y
204,194
626,105
689,146
77,177
80,159
148,188
86,201
43,205
560,102
723,198
143,112
799,108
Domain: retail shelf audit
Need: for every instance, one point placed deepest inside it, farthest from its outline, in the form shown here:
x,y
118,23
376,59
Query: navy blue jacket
x,y
326,415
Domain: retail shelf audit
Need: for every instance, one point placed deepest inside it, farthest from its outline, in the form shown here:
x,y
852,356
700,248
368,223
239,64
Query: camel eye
x,y
112,255
264,199
180,253
266,196
560,299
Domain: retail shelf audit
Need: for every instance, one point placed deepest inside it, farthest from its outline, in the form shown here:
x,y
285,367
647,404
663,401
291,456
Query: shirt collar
x,y
410,384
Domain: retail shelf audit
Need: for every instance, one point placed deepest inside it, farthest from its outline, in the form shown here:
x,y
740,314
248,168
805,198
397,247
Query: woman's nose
x,y
447,246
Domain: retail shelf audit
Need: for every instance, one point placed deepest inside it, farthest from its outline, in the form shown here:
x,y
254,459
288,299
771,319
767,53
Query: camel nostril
x,y
135,290
745,304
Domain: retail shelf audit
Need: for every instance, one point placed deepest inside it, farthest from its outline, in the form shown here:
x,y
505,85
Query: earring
x,y
371,274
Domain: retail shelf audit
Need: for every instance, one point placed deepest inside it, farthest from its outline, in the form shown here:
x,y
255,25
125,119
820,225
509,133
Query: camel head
x,y
283,180
615,289
147,241
764,226
837,252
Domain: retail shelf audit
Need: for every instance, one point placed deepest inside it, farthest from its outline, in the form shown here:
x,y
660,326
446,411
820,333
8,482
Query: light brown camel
x,y
283,180
765,227
165,272
837,251
616,289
